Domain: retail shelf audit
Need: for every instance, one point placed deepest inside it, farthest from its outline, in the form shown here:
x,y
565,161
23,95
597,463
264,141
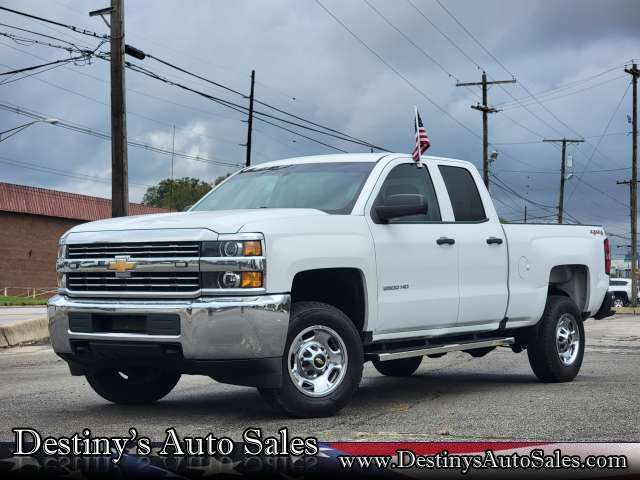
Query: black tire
x,y
289,398
620,301
141,385
543,350
402,367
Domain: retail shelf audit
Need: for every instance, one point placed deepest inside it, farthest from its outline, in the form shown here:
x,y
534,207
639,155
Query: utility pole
x,y
250,119
173,152
119,163
525,214
486,110
633,186
564,142
633,215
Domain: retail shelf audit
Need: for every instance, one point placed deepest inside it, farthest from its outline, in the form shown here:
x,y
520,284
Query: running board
x,y
451,347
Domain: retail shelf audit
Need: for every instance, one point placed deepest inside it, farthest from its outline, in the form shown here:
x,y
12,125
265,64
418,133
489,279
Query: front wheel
x,y
322,362
135,385
557,348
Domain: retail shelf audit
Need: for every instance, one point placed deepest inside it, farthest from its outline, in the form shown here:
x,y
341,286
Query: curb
x,y
24,331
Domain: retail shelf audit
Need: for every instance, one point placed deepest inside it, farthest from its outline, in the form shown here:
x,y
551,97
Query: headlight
x,y
232,264
62,280
232,248
232,279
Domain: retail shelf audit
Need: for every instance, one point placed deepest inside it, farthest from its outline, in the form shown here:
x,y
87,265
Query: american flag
x,y
422,140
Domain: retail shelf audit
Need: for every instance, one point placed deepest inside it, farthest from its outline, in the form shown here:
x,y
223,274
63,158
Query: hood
x,y
221,221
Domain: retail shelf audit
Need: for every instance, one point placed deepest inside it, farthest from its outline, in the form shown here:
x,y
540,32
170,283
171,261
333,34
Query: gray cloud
x,y
299,51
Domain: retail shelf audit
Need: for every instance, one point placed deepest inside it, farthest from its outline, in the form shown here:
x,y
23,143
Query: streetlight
x,y
19,128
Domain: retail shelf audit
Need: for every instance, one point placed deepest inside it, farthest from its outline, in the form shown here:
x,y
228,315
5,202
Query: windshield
x,y
331,187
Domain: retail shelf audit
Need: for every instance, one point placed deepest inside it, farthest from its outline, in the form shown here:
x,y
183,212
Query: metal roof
x,y
54,203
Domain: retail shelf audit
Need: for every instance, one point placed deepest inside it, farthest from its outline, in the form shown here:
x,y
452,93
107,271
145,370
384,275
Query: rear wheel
x,y
556,351
322,363
402,367
135,385
618,302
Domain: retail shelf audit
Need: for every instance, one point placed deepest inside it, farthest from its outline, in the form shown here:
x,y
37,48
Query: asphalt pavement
x,y
451,398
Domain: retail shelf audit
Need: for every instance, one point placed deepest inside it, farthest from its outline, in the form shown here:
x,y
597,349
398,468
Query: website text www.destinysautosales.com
x,y
535,459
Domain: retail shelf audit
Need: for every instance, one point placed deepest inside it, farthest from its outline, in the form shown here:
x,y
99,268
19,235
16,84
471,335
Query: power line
x,y
559,97
455,45
348,138
35,67
565,86
408,39
552,172
473,37
33,32
130,112
531,142
59,24
340,135
523,85
302,135
593,187
237,107
503,184
606,129
11,80
394,70
105,136
55,171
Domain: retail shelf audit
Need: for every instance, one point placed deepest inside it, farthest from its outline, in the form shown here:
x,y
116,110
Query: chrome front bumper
x,y
214,328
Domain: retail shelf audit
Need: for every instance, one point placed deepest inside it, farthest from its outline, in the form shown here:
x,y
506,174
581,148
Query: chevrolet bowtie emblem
x,y
122,265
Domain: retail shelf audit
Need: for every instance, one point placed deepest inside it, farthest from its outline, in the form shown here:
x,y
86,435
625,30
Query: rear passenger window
x,y
464,195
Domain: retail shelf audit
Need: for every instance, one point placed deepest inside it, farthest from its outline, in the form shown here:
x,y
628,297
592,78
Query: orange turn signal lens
x,y
251,280
252,248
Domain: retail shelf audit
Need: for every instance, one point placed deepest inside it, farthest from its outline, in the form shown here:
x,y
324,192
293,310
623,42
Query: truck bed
x,y
533,251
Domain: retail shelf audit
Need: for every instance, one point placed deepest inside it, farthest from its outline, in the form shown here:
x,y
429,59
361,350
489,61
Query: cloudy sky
x,y
568,58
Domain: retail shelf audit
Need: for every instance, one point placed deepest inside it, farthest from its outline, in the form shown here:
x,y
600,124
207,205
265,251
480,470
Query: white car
x,y
290,275
621,290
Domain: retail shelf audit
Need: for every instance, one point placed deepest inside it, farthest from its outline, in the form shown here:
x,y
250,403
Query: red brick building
x,y
31,222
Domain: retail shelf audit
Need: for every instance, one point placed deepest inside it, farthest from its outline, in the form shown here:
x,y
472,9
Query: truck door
x,y
482,248
417,266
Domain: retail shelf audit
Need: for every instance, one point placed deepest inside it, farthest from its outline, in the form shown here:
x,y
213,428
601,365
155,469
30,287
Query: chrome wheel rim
x,y
567,339
618,303
317,361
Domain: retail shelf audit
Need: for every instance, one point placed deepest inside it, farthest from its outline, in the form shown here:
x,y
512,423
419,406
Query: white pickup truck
x,y
290,275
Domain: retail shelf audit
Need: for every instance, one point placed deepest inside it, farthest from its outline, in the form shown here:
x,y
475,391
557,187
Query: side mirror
x,y
401,205
186,209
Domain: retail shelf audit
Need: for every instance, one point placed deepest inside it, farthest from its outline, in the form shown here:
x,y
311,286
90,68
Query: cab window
x,y
463,193
408,178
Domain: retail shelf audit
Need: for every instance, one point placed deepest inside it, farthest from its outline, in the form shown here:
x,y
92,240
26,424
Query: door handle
x,y
445,241
494,240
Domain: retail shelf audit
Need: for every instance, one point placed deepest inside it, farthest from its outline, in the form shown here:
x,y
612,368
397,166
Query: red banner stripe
x,y
427,448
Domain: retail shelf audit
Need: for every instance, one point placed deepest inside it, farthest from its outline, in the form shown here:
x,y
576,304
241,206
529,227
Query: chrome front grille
x,y
137,282
108,265
134,250
165,268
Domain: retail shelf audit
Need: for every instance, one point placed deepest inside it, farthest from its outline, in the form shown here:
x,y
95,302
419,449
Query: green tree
x,y
176,194
220,179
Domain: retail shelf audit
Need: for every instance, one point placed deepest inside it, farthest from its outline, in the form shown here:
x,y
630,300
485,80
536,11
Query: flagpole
x,y
415,111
